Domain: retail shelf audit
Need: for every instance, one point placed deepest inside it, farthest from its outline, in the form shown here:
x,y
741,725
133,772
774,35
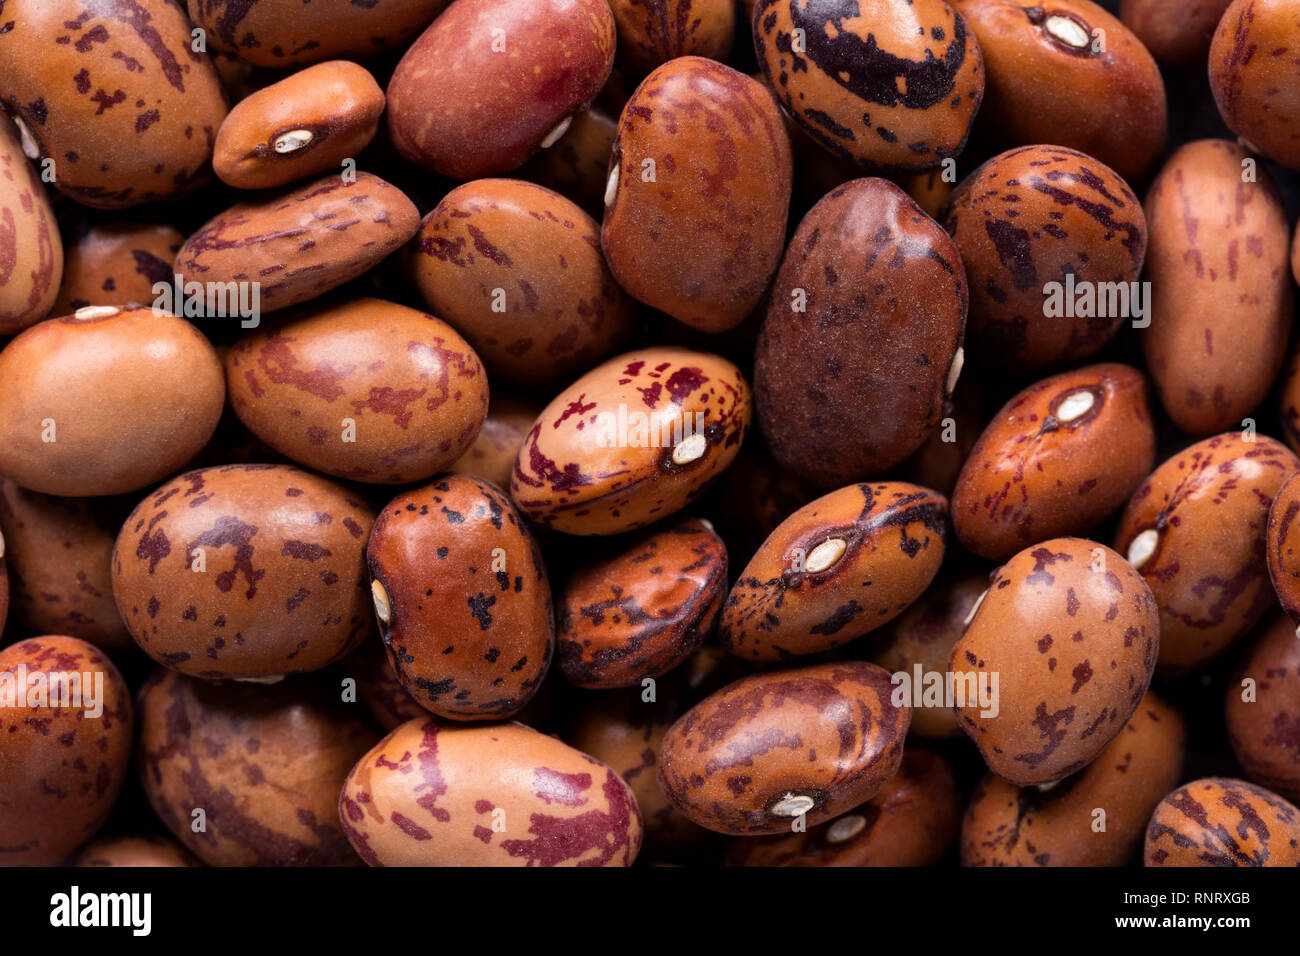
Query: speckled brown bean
x,y
1034,216
1220,293
913,821
809,743
305,124
576,166
641,612
106,404
1220,822
698,194
892,86
304,242
282,32
1057,460
245,571
1196,531
114,94
1092,59
1282,546
652,32
63,767
836,569
923,636
492,456
867,310
462,598
117,264
264,764
492,81
367,390
624,732
1070,633
1006,825
502,795
518,270
31,252
1264,718
632,441
1176,32
60,556
138,851
1255,75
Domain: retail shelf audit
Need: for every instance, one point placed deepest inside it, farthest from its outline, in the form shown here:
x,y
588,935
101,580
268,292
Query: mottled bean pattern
x,y
503,795
888,542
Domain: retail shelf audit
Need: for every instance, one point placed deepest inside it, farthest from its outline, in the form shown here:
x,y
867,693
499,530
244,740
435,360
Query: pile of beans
x,y
697,432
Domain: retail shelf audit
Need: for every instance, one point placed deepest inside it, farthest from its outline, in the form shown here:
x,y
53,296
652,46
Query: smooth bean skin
x,y
643,611
501,795
366,390
1044,468
1091,57
303,242
106,404
632,441
1220,294
264,763
332,108
698,239
115,95
518,270
893,85
1033,216
1255,76
31,251
59,553
1221,822
1260,718
245,572
491,81
839,567
116,263
842,742
1175,31
1282,545
1202,518
63,766
462,598
867,310
1072,633
1006,825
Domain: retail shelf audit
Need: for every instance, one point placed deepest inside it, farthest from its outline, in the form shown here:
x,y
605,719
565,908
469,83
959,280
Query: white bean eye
x,y
690,449
794,805
1067,31
825,555
383,610
292,141
1076,405
1142,547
